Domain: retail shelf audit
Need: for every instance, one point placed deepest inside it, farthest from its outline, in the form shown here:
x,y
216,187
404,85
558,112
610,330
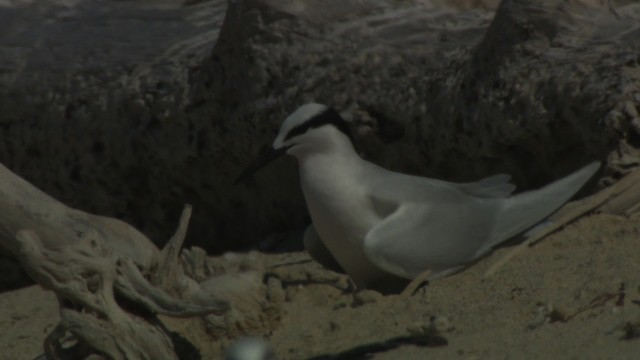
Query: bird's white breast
x,y
341,211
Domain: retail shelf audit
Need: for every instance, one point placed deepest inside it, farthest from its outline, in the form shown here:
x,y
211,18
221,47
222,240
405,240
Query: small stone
x,y
440,323
437,324
275,292
334,326
366,297
553,313
417,328
292,292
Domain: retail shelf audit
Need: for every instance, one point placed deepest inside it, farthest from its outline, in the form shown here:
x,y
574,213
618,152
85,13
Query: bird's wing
x,y
401,187
524,210
497,186
439,226
432,225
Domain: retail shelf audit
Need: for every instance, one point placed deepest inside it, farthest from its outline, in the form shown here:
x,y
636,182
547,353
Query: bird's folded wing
x,y
392,186
430,236
497,186
430,224
524,210
434,225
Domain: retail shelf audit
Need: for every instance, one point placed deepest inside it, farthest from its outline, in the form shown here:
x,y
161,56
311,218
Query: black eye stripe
x,y
329,116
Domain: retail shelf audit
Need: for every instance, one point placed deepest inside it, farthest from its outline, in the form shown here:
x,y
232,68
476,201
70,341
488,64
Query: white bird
x,y
250,348
380,225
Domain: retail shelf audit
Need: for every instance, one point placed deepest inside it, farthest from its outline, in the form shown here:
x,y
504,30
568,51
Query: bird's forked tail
x,y
522,211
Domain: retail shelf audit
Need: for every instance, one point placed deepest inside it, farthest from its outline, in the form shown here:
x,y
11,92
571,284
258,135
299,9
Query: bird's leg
x,y
415,284
351,286
319,251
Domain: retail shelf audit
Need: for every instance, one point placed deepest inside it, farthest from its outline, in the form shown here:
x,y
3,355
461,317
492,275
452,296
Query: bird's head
x,y
312,128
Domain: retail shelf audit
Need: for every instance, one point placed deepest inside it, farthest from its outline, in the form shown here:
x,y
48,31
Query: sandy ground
x,y
26,317
575,295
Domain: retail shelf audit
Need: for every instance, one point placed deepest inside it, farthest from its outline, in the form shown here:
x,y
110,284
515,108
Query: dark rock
x,y
124,108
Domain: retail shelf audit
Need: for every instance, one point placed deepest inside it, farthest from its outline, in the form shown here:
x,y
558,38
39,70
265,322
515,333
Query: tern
x,y
380,225
250,348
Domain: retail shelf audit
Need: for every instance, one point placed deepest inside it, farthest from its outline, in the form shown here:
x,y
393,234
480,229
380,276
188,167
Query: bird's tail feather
x,y
526,209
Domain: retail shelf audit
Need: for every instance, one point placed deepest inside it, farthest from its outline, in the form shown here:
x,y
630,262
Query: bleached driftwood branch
x,y
98,267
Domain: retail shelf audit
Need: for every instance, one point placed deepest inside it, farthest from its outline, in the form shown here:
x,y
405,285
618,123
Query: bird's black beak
x,y
263,160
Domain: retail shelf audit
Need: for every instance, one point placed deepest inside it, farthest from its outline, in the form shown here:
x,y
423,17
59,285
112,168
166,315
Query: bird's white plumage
x,y
250,348
377,223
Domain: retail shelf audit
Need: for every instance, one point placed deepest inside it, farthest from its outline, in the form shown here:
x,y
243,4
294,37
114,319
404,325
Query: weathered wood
x,y
95,265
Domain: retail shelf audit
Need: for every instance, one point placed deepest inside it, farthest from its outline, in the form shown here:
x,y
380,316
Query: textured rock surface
x,y
93,97
447,92
122,108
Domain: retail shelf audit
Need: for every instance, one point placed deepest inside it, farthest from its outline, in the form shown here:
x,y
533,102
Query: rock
x,y
435,91
130,109
94,99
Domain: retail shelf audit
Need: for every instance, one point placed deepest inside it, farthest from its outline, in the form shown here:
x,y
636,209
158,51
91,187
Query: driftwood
x,y
99,269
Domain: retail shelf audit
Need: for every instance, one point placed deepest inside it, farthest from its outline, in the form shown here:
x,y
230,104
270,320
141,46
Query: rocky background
x,y
132,108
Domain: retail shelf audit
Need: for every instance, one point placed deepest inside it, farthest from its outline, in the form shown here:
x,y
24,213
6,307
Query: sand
x,y
575,295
